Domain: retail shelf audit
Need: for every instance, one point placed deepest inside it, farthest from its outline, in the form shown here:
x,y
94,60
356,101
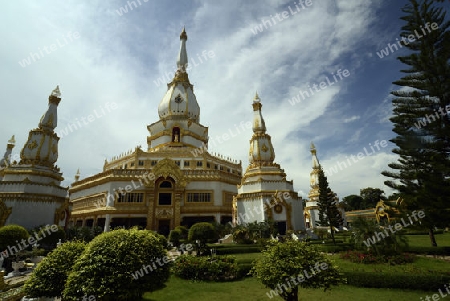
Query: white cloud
x,y
117,59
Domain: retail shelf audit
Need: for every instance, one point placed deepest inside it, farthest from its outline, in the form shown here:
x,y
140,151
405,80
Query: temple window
x,y
198,197
176,134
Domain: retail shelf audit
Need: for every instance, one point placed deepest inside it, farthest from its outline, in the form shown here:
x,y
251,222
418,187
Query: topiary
x,y
119,265
10,238
201,232
50,276
174,237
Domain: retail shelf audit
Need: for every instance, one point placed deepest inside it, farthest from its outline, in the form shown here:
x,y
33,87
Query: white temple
x,y
264,193
176,181
30,191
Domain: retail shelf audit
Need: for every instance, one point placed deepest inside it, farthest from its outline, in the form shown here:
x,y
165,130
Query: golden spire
x,y
183,35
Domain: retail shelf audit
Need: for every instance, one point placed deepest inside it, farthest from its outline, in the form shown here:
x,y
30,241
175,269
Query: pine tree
x,y
329,214
422,173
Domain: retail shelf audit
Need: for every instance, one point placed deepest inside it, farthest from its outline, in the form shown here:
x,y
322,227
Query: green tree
x,y
119,265
329,214
284,267
50,276
201,232
353,202
422,173
371,196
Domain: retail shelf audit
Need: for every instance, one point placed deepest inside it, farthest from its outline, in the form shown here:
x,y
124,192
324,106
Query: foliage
x,y
201,232
217,268
10,233
52,239
174,237
329,214
184,231
422,173
282,261
238,250
371,196
241,235
50,276
361,257
431,282
353,202
83,233
365,230
108,267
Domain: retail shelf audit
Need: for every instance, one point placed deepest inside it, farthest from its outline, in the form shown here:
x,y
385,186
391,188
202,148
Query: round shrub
x,y
50,276
119,265
12,234
201,232
217,268
174,237
184,231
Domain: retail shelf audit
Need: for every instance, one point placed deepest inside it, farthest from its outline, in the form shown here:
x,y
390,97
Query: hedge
x,y
238,250
429,250
403,281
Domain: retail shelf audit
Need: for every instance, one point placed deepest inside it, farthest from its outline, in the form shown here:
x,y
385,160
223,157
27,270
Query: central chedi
x,y
171,183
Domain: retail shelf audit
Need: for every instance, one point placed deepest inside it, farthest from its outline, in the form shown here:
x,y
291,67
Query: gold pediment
x,y
168,168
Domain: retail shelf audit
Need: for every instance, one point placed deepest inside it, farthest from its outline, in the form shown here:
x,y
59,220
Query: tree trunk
x,y
432,238
293,295
332,235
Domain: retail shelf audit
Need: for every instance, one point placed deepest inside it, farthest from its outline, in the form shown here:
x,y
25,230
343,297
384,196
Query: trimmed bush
x,y
217,268
119,265
10,236
50,276
361,257
441,251
174,237
403,281
238,250
202,232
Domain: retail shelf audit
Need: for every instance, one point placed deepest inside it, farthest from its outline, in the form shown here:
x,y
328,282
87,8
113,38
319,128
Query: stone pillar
x,y
177,211
150,212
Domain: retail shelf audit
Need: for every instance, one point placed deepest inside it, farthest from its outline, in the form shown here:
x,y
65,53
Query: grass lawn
x,y
251,289
442,240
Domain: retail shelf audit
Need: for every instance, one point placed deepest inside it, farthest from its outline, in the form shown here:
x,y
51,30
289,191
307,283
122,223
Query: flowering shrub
x,y
361,257
218,268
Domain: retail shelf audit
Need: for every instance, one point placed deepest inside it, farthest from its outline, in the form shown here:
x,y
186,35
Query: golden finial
x,y
312,146
183,34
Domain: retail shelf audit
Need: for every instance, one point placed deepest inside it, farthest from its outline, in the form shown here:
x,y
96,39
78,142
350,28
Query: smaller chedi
x,y
30,190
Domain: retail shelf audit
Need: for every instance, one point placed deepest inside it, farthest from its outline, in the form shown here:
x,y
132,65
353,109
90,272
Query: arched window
x,y
165,192
165,184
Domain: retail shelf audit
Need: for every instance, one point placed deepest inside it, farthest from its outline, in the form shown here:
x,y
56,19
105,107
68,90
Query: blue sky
x,y
115,58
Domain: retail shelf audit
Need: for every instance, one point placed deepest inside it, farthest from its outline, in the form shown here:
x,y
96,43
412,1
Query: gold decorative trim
x,y
5,212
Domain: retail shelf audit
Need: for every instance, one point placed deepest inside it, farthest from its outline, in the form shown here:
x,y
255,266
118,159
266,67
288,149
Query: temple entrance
x,y
281,228
164,226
